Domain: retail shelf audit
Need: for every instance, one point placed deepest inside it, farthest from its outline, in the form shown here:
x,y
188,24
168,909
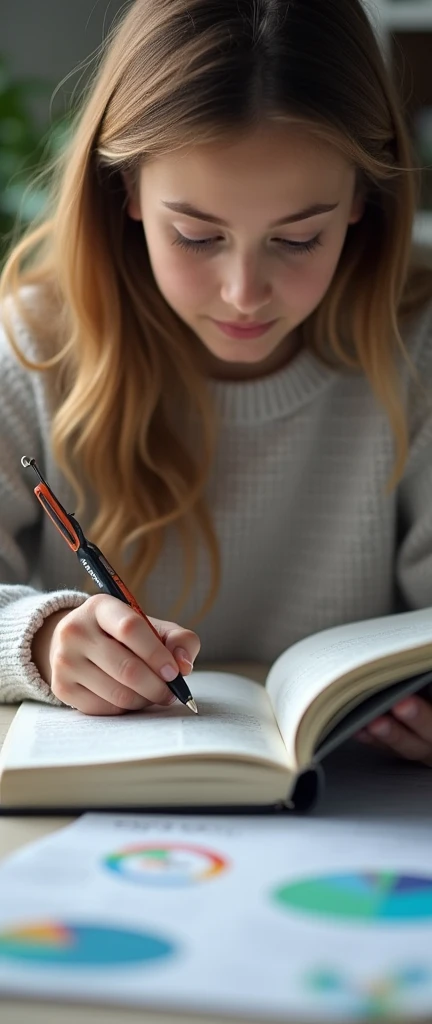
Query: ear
x,y
132,195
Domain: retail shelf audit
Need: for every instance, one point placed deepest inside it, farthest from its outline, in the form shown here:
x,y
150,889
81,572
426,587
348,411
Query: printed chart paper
x,y
251,916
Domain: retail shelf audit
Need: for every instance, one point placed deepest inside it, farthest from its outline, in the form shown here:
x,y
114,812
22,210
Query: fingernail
x,y
407,710
181,655
380,728
168,673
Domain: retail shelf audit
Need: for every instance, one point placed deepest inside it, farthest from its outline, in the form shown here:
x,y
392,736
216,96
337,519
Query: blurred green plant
x,y
27,145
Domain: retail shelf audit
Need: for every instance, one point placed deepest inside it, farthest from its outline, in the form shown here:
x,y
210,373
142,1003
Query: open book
x,y
250,745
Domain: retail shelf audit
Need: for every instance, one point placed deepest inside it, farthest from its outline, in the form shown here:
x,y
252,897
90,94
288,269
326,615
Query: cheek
x,y
308,287
183,279
305,288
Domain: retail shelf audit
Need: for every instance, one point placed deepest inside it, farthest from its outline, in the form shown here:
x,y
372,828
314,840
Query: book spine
x,y
307,790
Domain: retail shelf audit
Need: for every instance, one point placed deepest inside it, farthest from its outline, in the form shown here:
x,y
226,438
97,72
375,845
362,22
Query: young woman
x,y
218,348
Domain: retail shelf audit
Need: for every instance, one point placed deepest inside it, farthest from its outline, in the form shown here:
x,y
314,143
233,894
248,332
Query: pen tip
x,y
191,704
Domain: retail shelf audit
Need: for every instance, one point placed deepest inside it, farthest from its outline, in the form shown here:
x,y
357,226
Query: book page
x,y
310,666
284,919
235,718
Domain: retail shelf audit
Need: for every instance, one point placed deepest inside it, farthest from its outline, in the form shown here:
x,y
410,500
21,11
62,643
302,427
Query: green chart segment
x,y
377,896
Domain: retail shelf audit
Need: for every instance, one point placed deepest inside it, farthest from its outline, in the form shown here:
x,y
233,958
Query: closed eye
x,y
194,244
204,244
300,247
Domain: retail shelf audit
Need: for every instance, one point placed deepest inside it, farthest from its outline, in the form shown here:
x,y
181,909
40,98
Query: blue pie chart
x,y
48,943
381,896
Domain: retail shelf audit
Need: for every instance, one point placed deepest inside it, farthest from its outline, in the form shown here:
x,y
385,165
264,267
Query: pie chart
x,y
166,864
375,897
75,944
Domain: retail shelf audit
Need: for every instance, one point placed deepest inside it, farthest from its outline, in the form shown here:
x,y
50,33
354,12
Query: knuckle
x,y
129,671
177,635
67,638
62,661
126,627
125,699
192,641
94,601
186,640
68,629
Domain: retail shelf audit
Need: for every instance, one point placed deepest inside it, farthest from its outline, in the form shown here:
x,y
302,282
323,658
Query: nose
x,y
246,286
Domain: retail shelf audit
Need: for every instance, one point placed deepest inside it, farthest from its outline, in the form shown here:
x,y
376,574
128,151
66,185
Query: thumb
x,y
183,644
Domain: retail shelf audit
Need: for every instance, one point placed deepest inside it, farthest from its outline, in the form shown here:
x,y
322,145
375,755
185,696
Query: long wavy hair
x,y
170,74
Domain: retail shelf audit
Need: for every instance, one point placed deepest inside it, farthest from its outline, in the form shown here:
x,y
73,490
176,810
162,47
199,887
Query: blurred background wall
x,y
51,39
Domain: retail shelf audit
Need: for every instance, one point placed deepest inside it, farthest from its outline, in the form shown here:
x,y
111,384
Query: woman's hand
x,y
103,659
406,730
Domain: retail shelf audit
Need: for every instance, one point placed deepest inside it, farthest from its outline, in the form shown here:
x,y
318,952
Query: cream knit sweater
x,y
308,536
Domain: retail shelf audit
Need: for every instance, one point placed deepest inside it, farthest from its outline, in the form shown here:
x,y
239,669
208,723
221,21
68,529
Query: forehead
x,y
272,164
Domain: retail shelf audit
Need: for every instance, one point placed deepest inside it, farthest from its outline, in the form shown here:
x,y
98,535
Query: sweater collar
x,y
275,396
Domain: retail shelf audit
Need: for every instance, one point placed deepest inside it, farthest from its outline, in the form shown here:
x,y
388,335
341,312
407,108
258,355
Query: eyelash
x,y
199,246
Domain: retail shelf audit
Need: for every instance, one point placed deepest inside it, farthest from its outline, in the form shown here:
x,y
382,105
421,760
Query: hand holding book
x,y
407,730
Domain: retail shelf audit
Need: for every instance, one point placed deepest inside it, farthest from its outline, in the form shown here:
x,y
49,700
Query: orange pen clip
x,y
66,524
91,558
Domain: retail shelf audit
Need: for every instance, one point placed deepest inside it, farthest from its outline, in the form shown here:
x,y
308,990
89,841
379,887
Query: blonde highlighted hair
x,y
175,73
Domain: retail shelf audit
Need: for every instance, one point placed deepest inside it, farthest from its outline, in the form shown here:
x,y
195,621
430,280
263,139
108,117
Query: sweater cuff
x,y
19,621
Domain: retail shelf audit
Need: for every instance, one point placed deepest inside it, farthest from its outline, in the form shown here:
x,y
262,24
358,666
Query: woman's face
x,y
244,239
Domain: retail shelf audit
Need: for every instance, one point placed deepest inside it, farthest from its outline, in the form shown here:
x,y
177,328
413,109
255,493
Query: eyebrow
x,y
191,211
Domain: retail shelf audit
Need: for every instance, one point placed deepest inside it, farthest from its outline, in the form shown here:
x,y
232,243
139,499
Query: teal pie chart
x,y
381,897
49,943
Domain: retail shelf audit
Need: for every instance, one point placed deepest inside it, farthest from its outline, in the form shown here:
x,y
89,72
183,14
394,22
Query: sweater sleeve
x,y
23,608
414,558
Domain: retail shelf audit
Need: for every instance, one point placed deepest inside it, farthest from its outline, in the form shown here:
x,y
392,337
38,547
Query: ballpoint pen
x,y
96,565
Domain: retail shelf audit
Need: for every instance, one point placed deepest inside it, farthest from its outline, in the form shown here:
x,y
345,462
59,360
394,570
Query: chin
x,y
257,359
247,360
242,353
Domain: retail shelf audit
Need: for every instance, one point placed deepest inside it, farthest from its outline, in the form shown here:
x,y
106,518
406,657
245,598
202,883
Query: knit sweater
x,y
309,538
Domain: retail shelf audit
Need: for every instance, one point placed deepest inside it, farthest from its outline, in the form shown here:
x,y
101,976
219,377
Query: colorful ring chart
x,y
166,864
80,944
377,897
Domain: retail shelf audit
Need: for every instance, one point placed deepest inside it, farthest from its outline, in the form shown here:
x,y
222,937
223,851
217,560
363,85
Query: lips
x,y
237,329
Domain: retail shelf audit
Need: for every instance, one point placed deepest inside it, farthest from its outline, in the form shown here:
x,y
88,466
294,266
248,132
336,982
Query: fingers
x,y
184,644
100,690
416,714
78,697
109,670
130,629
105,658
407,731
124,671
